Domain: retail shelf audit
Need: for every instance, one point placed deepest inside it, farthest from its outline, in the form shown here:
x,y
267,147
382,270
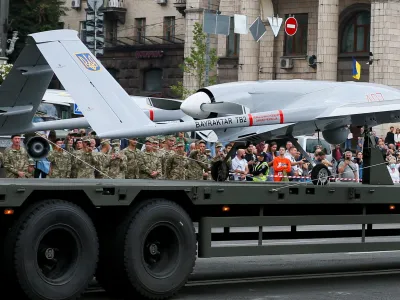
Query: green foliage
x,y
195,64
4,70
30,16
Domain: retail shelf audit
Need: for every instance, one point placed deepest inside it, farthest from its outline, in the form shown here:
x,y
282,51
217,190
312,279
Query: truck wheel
x,y
160,250
320,175
55,252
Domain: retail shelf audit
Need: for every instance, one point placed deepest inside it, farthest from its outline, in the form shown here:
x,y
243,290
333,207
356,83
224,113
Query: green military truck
x,y
137,237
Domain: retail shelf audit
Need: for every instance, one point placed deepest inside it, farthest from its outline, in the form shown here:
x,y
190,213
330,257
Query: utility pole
x,y
4,11
207,51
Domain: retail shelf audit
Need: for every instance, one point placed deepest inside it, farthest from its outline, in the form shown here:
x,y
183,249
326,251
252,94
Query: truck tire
x,y
160,250
52,251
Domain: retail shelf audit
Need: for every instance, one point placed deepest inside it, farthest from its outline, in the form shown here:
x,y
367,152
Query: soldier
x,y
133,155
86,161
31,169
176,164
16,159
75,153
168,151
103,160
198,165
149,164
60,162
118,161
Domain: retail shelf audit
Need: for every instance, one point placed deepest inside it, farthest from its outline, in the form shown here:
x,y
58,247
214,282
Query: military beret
x,y
218,145
180,144
31,162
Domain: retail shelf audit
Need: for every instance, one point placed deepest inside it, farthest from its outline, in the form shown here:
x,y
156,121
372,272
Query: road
x,y
294,277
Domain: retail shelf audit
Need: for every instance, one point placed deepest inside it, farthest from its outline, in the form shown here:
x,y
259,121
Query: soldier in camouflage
x,y
103,160
176,164
16,159
60,162
75,153
118,161
198,165
86,160
31,169
133,156
167,152
150,163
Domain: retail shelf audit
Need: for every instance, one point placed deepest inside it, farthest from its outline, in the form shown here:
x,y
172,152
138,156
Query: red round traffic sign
x,y
291,26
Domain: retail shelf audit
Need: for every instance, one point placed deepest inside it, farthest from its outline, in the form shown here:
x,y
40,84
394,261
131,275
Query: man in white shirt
x,y
296,165
239,166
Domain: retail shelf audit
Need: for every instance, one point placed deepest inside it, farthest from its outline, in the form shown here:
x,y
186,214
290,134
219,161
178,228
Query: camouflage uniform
x,y
103,162
165,156
15,161
175,165
133,157
85,161
196,166
31,165
118,166
74,170
61,164
149,163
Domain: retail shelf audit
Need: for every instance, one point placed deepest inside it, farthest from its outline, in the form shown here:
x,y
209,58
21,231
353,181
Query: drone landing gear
x,y
320,175
220,170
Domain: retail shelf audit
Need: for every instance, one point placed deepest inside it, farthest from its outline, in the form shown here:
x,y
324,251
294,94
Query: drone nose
x,y
192,105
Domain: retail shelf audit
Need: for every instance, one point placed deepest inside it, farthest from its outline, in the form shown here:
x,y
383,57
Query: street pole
x,y
4,11
207,51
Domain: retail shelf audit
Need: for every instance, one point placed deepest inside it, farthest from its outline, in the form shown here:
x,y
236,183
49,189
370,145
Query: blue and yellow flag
x,y
356,69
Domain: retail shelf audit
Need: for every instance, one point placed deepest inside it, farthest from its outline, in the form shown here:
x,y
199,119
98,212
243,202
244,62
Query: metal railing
x,y
114,4
180,2
145,40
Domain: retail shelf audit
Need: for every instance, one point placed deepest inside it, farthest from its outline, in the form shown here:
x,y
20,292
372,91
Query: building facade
x,y
144,43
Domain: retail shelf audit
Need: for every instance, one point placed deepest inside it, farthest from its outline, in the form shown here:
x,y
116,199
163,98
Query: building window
x,y
82,31
152,80
356,33
297,44
169,28
232,41
140,29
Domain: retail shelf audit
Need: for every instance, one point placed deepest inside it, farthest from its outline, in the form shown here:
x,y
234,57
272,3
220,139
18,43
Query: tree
x,y
30,16
195,64
4,70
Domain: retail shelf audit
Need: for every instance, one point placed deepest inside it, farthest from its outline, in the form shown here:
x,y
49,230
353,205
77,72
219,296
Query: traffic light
x,y
94,30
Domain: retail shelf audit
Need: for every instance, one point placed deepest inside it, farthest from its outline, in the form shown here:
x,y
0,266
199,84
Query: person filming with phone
x,y
347,169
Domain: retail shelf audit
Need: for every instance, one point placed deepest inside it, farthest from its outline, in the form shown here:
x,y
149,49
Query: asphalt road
x,y
294,277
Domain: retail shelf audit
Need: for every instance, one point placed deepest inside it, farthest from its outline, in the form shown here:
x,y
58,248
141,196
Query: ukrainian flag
x,y
356,70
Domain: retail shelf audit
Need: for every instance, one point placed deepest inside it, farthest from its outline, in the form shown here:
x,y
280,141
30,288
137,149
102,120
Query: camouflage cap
x,y
200,142
155,141
106,141
180,144
86,139
115,142
148,139
162,139
170,137
31,162
218,145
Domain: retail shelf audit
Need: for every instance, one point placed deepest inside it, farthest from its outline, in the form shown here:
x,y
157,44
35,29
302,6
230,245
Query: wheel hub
x,y
153,249
49,253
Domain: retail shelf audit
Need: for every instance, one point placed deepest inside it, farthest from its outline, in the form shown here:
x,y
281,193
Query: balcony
x,y
115,10
180,6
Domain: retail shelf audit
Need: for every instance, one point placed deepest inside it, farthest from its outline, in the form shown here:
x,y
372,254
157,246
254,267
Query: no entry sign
x,y
291,26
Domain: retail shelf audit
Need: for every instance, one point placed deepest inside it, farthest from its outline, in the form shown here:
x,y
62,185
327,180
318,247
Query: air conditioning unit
x,y
286,63
162,1
76,3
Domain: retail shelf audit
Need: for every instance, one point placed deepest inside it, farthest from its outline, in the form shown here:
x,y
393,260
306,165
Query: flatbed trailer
x,y
137,237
